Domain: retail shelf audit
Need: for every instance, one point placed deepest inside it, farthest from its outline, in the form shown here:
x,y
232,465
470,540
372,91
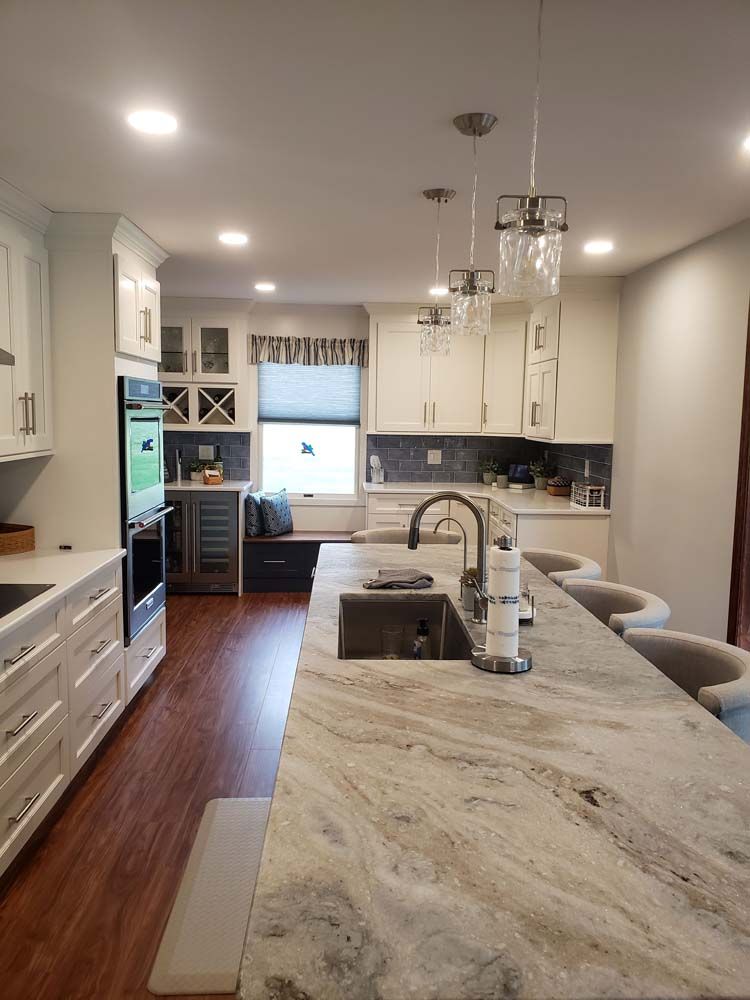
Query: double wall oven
x,y
143,506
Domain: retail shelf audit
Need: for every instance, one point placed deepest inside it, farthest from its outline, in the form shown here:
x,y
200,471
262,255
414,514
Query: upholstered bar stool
x,y
561,566
617,606
716,674
400,536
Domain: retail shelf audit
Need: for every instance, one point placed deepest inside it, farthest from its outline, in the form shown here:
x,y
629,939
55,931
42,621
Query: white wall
x,y
683,331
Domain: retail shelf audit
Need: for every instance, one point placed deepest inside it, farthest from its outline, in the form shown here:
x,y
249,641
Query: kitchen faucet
x,y
480,597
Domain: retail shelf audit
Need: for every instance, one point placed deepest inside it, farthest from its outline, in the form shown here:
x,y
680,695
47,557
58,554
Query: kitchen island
x,y
440,833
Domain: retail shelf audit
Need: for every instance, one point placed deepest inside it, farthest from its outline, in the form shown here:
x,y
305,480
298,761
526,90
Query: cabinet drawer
x,y
508,521
30,642
95,714
91,650
403,503
98,591
378,520
31,708
284,559
31,791
144,653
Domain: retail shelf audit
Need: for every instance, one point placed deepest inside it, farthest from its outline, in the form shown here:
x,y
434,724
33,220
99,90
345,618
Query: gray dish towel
x,y
400,579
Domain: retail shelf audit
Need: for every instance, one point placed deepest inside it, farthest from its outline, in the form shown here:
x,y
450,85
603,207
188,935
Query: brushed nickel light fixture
x,y
470,287
530,241
435,320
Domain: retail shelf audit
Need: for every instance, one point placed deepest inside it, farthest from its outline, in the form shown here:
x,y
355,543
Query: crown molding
x,y
23,208
204,305
95,231
135,239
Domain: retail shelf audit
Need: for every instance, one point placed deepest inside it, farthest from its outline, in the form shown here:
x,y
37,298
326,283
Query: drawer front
x,y
31,791
95,715
404,504
143,655
30,643
378,520
508,521
285,559
31,708
84,602
91,651
497,530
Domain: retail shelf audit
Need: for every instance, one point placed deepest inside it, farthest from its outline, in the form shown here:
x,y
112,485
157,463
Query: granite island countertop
x,y
439,833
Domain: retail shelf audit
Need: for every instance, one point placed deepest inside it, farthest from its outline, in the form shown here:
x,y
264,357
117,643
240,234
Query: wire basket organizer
x,y
587,496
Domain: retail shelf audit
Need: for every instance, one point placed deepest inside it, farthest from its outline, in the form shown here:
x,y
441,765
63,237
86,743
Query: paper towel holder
x,y
502,664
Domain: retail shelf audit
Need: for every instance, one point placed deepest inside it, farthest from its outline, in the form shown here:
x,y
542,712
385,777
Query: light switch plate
x,y
434,456
206,452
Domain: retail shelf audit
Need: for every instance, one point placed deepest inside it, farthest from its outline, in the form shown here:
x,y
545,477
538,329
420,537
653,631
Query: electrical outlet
x,y
434,456
206,452
586,466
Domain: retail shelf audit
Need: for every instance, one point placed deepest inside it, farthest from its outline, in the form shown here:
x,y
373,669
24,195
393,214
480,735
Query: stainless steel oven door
x,y
145,576
143,458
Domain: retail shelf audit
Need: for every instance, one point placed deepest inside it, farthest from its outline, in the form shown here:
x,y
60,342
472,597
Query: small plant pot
x,y
502,482
488,478
540,482
196,477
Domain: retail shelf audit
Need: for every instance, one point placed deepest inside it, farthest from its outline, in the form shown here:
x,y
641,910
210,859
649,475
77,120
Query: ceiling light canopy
x,y
435,321
530,241
153,122
471,288
598,246
233,239
265,286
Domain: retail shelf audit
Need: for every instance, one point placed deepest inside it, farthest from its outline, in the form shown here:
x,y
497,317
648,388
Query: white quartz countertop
x,y
65,570
514,501
229,485
440,833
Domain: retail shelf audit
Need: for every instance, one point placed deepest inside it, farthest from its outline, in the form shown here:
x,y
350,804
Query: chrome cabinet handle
x,y
149,652
26,429
105,709
25,720
32,397
20,654
29,804
150,324
100,593
143,337
195,533
424,414
484,411
101,647
195,362
275,562
434,407
184,362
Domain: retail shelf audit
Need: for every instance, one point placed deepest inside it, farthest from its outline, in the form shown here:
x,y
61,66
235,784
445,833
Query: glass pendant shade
x,y
530,248
434,330
471,302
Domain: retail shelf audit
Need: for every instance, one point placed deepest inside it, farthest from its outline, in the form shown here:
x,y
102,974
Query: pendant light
x,y
530,242
435,320
471,288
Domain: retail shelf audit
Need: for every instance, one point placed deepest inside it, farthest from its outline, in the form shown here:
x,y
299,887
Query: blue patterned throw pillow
x,y
277,517
253,515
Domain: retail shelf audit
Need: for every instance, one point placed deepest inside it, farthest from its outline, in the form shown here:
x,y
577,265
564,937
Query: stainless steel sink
x,y
361,619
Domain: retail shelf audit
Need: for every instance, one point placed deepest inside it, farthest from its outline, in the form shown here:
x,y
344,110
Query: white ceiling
x,y
314,125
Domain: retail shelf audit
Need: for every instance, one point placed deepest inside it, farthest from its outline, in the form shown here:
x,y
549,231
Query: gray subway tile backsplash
x,y
234,445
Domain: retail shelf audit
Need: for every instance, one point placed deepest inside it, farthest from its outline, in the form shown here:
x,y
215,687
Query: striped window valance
x,y
309,351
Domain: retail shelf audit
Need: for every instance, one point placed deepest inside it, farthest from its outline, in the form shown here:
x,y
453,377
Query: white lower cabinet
x,y
96,707
394,510
30,642
144,654
461,513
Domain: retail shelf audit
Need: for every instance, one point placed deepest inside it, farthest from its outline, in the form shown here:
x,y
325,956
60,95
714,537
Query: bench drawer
x,y
144,654
91,651
31,791
31,642
84,602
31,708
295,560
95,714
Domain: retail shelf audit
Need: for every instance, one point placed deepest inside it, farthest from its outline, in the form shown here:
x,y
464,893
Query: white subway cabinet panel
x,y
402,386
544,331
150,318
504,359
455,403
541,395
129,330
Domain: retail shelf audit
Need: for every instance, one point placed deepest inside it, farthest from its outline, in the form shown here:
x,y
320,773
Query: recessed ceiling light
x,y
153,122
439,290
233,239
746,144
598,246
265,286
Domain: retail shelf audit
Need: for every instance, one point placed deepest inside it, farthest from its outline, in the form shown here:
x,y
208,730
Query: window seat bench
x,y
284,563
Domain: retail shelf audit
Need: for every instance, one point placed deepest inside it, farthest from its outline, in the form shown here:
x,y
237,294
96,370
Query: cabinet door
x,y
35,360
532,400
214,539
402,380
215,353
544,331
178,538
150,311
129,327
504,359
11,408
541,389
456,386
175,350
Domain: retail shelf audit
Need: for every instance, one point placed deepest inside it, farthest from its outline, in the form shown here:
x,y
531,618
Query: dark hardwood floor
x,y
84,915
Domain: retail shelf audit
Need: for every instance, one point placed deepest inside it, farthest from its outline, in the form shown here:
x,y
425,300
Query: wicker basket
x,y
16,538
558,491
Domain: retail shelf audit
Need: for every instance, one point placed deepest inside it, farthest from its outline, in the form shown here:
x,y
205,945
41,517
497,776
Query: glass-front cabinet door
x,y
176,357
215,538
212,351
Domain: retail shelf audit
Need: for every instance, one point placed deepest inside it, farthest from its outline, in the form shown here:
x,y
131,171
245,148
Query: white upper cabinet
x,y
504,360
137,309
544,331
25,383
541,400
203,349
455,383
151,317
402,379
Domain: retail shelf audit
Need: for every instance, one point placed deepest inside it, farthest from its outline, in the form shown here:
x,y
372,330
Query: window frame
x,y
329,499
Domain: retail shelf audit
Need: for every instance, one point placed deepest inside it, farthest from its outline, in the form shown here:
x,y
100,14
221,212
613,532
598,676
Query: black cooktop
x,y
13,595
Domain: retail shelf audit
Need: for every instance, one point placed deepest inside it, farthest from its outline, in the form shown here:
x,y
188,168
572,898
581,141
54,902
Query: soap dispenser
x,y
421,647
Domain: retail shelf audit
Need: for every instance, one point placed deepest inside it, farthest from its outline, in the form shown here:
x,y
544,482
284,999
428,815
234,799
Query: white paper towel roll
x,y
503,588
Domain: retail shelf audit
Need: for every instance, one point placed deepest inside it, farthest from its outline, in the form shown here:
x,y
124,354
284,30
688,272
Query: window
x,y
308,418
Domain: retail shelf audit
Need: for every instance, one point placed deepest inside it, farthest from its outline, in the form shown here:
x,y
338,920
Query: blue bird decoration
x,y
147,445
307,449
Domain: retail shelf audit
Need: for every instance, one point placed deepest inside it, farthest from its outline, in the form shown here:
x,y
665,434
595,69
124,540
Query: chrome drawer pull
x,y
20,655
25,720
101,647
105,709
29,803
281,562
149,652
100,593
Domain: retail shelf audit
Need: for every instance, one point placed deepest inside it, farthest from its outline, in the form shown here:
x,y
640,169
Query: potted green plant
x,y
196,471
541,471
502,475
488,468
